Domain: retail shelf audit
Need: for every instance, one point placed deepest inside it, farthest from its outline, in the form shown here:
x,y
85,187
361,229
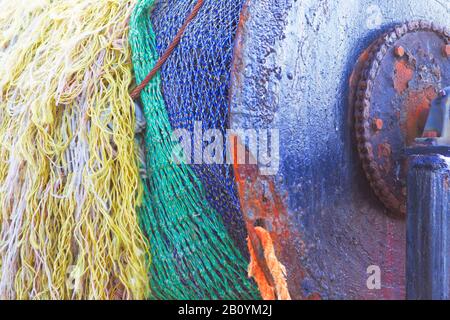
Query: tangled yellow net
x,y
69,180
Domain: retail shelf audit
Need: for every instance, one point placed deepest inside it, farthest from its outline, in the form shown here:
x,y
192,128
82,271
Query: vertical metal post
x,y
428,228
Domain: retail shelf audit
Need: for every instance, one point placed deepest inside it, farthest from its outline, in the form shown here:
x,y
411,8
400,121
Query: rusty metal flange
x,y
393,85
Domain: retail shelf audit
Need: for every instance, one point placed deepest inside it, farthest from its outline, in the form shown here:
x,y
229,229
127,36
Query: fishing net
x,y
69,179
195,82
193,257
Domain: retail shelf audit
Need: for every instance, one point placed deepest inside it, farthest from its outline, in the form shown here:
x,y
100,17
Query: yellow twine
x,y
69,180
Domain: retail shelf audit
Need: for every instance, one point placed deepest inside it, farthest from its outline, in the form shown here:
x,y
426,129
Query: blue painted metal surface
x,y
438,119
428,228
293,62
292,65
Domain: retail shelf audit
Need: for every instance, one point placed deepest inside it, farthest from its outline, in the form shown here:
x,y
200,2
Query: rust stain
x,y
446,50
355,76
430,134
417,106
262,205
399,51
315,296
237,66
378,124
403,74
365,55
388,291
384,150
259,198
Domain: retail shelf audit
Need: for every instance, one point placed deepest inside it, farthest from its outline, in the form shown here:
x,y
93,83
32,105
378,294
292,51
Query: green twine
x,y
193,257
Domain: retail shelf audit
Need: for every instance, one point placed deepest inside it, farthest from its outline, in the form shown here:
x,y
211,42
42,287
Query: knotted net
x,y
195,82
193,256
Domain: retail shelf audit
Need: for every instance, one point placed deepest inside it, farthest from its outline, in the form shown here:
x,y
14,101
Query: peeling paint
x,y
293,67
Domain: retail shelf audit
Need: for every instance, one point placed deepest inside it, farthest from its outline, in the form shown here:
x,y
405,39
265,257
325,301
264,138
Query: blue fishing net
x,y
195,83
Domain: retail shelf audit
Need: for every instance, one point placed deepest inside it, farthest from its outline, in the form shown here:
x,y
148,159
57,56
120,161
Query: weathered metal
x,y
292,64
428,227
262,205
428,223
446,51
409,58
399,51
438,122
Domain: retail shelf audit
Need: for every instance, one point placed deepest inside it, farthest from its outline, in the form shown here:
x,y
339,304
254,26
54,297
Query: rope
x,y
176,41
69,180
273,285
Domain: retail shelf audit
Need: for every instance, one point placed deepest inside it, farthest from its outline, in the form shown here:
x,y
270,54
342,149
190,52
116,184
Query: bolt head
x,y
399,51
446,50
378,124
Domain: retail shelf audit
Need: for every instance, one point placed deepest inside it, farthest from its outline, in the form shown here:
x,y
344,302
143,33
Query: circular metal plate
x,y
399,76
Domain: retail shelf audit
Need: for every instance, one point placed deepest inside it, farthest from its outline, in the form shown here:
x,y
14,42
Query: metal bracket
x,y
437,128
428,223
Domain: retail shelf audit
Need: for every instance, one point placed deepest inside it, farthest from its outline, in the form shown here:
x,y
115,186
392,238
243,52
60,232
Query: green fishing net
x,y
193,256
196,81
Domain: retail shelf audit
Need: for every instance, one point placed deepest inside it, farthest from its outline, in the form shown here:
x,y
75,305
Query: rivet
x,y
377,124
399,51
446,50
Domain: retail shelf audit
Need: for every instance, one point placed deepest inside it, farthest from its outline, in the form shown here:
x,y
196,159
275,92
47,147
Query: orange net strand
x,y
279,289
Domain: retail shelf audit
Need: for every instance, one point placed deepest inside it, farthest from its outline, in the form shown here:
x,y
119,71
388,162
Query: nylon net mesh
x,y
193,256
195,83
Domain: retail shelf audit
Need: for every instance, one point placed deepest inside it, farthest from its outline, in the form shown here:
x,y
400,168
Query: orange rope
x,y
275,286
